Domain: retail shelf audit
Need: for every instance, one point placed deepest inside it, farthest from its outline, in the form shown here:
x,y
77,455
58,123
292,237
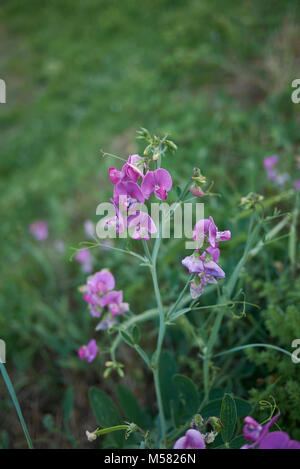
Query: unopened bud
x,y
91,436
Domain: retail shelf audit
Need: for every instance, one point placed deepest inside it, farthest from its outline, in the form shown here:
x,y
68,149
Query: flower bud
x,y
90,436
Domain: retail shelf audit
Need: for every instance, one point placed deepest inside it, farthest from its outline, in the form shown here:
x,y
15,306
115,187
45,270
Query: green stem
x,y
161,335
16,404
252,234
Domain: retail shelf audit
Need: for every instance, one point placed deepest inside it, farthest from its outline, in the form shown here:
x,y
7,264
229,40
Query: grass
x,y
83,77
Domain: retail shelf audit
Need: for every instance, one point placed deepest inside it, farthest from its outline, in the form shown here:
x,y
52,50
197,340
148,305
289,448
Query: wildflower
x,y
278,440
199,282
252,429
98,284
85,259
114,301
131,171
88,352
196,265
127,194
39,230
117,222
159,182
89,229
261,437
192,440
143,224
270,162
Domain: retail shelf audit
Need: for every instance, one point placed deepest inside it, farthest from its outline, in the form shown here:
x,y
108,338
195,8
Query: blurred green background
x,y
83,76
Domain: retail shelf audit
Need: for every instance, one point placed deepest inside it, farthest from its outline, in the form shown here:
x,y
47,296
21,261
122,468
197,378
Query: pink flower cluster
x,y
204,261
128,193
102,299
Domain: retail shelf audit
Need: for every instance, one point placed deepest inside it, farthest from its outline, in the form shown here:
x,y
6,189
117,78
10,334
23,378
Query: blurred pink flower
x,y
39,230
85,259
88,352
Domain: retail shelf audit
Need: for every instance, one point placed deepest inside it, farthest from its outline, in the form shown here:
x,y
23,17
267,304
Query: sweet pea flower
x,y
39,230
192,440
114,301
85,259
278,440
261,437
88,352
131,171
197,284
196,265
143,224
98,284
252,429
270,162
117,222
159,182
208,225
89,229
127,194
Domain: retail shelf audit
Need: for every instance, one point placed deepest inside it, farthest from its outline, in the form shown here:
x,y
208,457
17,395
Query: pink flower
x,y
89,228
88,352
114,301
192,440
127,194
196,191
214,236
117,222
261,437
39,230
159,182
270,162
196,265
143,224
85,259
131,171
98,284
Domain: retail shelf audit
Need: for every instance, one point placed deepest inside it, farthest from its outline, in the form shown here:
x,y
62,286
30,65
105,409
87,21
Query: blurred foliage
x,y
84,76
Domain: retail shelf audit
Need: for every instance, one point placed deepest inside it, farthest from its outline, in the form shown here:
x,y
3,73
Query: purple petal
x,y
148,184
111,297
275,440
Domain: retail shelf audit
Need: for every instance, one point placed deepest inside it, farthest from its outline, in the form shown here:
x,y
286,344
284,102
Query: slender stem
x,y
178,301
16,404
252,234
161,335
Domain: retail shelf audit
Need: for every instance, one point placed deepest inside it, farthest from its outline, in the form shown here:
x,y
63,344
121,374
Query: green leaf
x,y
136,334
213,408
129,405
105,412
228,417
68,402
127,338
188,394
167,369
